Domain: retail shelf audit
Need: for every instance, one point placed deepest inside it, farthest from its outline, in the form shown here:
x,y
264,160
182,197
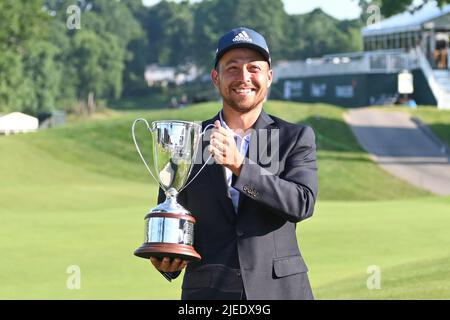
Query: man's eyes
x,y
255,68
252,68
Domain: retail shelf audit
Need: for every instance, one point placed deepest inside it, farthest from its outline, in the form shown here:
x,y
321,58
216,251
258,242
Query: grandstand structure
x,y
413,42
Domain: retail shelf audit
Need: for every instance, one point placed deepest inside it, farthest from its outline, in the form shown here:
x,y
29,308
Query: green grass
x,y
154,101
437,120
406,239
78,195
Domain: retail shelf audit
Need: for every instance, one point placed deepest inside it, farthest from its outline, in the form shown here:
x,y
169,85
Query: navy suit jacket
x,y
255,249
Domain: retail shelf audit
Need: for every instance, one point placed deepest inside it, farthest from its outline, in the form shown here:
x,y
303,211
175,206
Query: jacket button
x,y
239,233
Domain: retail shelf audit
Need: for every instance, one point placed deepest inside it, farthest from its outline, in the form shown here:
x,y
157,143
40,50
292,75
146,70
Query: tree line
x,y
65,54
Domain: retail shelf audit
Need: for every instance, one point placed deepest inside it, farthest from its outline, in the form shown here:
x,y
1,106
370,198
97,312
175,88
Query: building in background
x,y
51,119
160,75
416,42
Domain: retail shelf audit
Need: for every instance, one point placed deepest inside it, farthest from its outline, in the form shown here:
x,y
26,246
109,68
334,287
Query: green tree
x,y
114,18
137,9
99,64
67,90
21,21
316,33
16,93
297,48
121,19
138,53
351,29
214,17
170,33
41,70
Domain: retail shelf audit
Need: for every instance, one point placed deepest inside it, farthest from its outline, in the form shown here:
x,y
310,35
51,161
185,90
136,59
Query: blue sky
x,y
340,9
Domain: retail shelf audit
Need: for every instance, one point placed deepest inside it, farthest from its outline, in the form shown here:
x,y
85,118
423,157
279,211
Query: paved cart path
x,y
403,147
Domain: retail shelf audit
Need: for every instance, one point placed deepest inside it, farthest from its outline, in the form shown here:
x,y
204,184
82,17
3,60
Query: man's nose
x,y
244,74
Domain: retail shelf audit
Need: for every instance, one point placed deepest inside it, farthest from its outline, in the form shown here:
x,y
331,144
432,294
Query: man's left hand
x,y
224,150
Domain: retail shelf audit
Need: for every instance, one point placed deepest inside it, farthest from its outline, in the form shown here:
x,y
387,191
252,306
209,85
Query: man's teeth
x,y
243,90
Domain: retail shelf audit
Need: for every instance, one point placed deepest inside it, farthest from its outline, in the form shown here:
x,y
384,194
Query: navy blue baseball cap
x,y
242,38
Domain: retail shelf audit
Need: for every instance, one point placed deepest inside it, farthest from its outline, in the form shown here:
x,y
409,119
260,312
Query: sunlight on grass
x,y
78,196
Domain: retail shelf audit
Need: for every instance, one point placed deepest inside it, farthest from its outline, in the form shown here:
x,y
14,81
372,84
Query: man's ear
x,y
269,78
215,77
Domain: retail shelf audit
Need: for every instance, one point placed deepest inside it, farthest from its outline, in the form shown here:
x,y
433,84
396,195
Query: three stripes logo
x,y
242,37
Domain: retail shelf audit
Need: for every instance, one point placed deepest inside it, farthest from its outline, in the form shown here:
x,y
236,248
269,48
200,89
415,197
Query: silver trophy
x,y
169,228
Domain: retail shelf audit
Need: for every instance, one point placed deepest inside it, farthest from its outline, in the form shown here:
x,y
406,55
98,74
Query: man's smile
x,y
243,92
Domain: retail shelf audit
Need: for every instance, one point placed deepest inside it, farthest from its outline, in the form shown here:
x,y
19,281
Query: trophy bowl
x,y
169,228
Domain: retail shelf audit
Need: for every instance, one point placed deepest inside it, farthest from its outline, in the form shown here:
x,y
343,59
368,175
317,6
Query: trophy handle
x,y
137,145
206,162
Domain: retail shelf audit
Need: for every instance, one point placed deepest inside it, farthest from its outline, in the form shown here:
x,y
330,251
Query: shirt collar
x,y
224,124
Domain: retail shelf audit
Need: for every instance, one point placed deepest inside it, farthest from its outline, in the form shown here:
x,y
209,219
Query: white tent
x,y
17,122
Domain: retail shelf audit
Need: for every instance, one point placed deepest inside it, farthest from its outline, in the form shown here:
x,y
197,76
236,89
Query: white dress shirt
x,y
242,146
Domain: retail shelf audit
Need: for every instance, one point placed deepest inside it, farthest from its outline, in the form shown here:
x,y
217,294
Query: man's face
x,y
242,77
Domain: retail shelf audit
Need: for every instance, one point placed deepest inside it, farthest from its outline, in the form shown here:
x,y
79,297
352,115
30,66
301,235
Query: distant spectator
x,y
406,101
183,101
173,103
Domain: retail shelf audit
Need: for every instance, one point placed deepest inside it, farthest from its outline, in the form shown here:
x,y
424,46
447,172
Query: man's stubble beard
x,y
241,109
238,108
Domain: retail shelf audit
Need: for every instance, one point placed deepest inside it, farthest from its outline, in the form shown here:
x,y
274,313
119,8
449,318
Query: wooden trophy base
x,y
171,250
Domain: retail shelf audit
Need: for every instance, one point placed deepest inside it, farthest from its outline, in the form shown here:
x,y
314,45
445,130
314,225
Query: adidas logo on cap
x,y
242,37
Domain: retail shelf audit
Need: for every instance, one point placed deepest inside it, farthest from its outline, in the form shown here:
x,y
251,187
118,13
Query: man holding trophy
x,y
236,223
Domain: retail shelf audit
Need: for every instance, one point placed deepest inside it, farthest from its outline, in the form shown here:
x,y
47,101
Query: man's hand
x,y
165,265
224,150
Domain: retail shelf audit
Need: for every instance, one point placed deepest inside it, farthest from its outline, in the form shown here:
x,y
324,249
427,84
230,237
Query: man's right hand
x,y
166,265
